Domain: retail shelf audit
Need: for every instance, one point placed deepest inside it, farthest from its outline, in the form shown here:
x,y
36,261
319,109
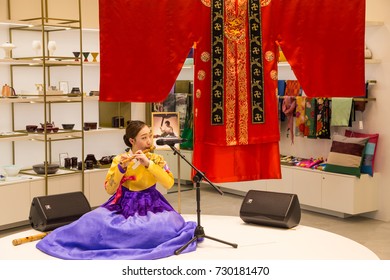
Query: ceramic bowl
x,y
51,168
68,126
91,125
11,170
31,128
91,157
105,160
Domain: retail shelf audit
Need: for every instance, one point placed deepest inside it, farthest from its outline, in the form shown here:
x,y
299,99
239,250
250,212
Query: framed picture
x,y
64,87
178,100
165,125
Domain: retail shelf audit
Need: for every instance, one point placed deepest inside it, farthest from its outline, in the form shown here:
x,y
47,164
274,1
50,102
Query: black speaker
x,y
271,209
53,211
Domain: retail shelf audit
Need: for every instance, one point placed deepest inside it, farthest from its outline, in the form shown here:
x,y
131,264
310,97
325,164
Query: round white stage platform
x,y
255,242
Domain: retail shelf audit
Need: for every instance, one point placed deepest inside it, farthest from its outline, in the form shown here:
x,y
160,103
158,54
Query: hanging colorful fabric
x,y
288,108
323,118
188,131
281,90
300,116
310,117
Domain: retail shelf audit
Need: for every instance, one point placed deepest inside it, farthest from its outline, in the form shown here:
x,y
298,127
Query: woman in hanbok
x,y
137,222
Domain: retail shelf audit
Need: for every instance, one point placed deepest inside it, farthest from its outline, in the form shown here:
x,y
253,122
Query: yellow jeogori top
x,y
138,178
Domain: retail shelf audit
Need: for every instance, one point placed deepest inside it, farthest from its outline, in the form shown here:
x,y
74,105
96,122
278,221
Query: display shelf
x,y
19,179
61,135
49,70
53,61
101,130
7,24
13,135
39,98
90,63
15,138
45,24
57,136
60,172
104,168
91,98
372,61
38,61
44,28
372,23
90,29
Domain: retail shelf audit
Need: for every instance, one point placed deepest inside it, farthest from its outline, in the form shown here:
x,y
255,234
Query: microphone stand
x,y
199,231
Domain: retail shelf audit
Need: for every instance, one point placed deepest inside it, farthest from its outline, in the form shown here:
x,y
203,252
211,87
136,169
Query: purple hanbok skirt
x,y
139,225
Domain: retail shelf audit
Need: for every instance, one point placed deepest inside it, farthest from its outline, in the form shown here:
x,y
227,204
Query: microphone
x,y
170,141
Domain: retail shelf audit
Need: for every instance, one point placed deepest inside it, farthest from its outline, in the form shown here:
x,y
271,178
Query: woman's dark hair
x,y
168,123
132,129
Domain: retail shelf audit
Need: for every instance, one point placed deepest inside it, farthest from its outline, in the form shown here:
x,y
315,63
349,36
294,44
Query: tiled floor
x,y
373,234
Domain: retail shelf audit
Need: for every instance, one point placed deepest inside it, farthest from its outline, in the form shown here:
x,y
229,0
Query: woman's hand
x,y
142,158
126,159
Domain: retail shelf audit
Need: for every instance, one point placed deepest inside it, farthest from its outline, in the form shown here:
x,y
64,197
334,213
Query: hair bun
x,y
126,140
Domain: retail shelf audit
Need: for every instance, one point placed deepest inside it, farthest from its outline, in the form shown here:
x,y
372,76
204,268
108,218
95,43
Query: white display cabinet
x,y
330,193
94,187
307,185
342,194
16,196
348,194
15,200
284,185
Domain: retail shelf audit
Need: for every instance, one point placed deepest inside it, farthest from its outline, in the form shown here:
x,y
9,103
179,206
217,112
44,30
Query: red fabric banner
x,y
323,41
144,45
